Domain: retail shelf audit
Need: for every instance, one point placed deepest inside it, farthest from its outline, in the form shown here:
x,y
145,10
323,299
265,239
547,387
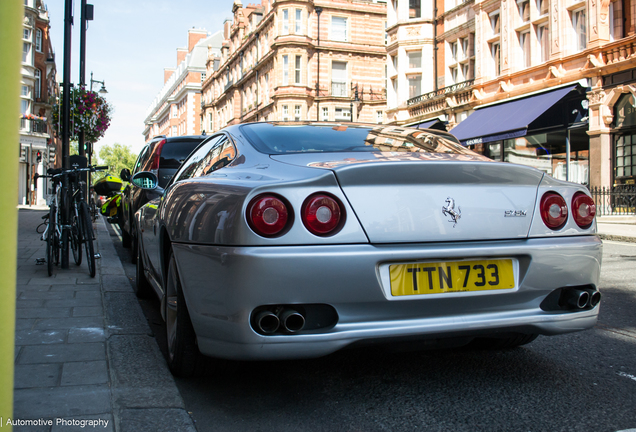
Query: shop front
x,y
547,131
624,141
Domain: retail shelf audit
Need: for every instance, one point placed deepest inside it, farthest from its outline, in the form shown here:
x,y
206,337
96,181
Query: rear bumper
x,y
223,285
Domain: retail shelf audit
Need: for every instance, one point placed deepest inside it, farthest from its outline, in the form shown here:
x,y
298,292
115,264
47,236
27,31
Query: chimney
x,y
167,73
181,55
195,36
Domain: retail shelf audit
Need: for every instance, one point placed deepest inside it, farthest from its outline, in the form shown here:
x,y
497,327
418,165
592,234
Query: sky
x,y
128,45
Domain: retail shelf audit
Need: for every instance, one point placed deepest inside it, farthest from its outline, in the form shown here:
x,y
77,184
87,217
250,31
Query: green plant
x,y
90,113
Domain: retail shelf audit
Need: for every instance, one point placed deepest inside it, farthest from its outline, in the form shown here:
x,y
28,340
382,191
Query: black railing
x,y
32,125
441,92
617,200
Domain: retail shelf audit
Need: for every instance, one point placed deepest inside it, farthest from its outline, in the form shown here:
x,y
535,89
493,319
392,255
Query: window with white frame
x,y
285,70
285,113
379,117
524,44
339,79
339,29
297,76
38,83
24,106
285,21
415,9
175,111
299,21
26,34
342,114
24,91
26,52
524,10
543,38
415,59
543,7
415,85
454,74
267,88
174,131
210,122
38,40
495,25
325,113
495,53
579,24
454,47
297,109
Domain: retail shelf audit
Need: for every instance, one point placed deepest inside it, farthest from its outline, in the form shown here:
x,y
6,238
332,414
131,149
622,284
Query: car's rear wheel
x,y
184,359
504,342
142,286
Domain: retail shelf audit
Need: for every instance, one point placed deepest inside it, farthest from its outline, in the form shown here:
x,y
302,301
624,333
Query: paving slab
x,y
69,401
60,353
81,373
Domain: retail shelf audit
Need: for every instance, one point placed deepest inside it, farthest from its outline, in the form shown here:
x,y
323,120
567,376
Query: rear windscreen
x,y
174,152
323,137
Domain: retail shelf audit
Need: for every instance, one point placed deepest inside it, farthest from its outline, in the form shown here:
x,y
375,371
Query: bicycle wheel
x,y
51,241
75,236
87,236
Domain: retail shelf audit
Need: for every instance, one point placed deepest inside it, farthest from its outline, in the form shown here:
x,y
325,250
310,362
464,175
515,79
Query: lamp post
x,y
86,14
101,90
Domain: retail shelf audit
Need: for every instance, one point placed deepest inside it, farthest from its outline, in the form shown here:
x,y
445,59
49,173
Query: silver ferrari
x,y
290,240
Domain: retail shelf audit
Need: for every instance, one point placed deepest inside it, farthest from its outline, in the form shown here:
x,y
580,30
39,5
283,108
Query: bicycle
x,y
69,204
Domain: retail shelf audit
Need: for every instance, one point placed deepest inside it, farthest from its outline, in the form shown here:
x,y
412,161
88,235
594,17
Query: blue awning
x,y
506,120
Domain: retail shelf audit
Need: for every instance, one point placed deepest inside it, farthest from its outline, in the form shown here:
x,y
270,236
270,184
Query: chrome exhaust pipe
x,y
292,321
578,299
595,298
267,322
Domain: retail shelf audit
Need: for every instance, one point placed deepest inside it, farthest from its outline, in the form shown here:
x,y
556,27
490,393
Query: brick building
x,y
176,110
39,90
298,60
546,83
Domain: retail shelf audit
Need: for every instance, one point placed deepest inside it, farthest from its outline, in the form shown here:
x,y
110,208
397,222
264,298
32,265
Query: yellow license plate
x,y
451,276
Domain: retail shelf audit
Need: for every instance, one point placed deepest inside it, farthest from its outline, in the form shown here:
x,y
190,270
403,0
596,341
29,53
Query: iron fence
x,y
617,200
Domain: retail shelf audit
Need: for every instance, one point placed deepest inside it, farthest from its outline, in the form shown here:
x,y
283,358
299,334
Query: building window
x,y
466,71
415,59
580,28
203,75
339,79
210,122
626,156
174,131
494,23
285,113
343,114
325,113
524,10
542,6
38,40
415,86
297,69
299,21
454,46
285,21
24,91
454,73
544,42
297,113
415,9
616,20
524,43
495,52
24,106
285,70
38,84
379,117
339,29
26,34
26,51
175,111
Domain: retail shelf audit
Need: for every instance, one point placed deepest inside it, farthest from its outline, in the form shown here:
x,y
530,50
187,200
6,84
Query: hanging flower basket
x,y
90,113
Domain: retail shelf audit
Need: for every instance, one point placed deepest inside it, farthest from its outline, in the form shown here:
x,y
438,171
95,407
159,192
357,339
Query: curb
x,y
617,238
144,395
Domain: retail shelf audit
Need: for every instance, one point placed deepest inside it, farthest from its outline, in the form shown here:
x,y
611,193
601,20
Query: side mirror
x,y
146,180
125,174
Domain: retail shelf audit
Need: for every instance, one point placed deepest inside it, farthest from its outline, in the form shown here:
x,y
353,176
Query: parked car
x,y
290,240
162,156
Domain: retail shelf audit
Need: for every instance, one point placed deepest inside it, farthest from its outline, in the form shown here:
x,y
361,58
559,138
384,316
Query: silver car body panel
x,y
224,284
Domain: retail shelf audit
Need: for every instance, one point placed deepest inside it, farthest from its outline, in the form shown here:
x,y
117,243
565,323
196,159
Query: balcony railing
x,y
31,125
441,92
617,200
339,89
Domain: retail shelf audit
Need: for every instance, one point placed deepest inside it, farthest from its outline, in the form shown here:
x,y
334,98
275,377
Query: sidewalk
x,y
618,228
84,351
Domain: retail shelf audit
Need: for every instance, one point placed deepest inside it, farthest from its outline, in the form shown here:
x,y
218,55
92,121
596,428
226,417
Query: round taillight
x,y
268,215
554,210
322,214
583,209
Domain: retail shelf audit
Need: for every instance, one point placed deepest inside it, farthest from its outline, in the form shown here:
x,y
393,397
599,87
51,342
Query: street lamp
x,y
103,89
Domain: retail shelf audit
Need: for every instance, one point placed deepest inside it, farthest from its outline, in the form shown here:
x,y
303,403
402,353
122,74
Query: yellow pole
x,y
11,15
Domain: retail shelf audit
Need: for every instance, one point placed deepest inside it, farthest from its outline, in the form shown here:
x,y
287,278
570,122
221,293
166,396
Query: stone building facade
x,y
298,60
566,66
176,110
39,91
